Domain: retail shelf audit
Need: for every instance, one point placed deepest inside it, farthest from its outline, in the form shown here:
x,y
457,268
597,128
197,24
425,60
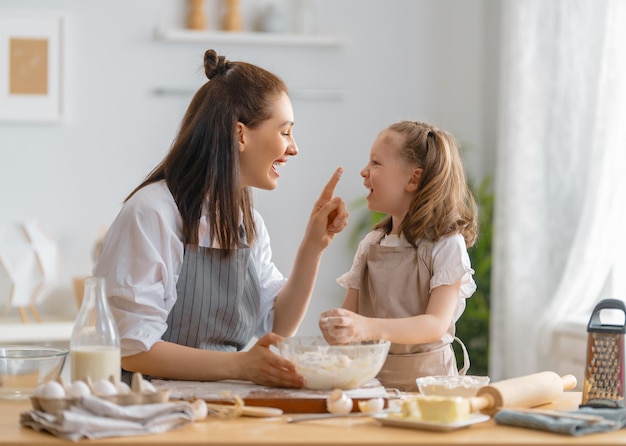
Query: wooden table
x,y
338,431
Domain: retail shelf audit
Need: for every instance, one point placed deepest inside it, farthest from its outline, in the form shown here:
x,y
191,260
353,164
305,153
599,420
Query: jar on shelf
x,y
196,18
304,17
231,21
274,19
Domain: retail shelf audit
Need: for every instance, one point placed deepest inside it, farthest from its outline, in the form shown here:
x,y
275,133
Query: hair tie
x,y
214,65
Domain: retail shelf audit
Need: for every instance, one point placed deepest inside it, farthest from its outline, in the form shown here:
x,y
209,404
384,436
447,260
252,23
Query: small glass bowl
x,y
23,368
463,385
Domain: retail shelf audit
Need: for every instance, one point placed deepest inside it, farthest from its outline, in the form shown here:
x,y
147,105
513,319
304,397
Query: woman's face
x,y
264,149
389,179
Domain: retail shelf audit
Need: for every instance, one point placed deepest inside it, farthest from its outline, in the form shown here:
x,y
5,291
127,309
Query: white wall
x,y
430,60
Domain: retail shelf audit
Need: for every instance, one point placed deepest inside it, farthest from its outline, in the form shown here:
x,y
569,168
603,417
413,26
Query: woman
x,y
187,262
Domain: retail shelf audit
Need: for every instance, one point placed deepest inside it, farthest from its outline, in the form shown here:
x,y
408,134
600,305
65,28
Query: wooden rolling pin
x,y
523,392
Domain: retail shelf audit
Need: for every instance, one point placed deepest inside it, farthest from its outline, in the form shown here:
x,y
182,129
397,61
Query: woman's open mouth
x,y
276,165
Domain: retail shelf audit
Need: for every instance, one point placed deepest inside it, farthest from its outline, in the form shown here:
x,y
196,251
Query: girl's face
x,y
391,181
264,149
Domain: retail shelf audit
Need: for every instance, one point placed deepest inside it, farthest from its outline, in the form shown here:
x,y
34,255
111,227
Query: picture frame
x,y
31,62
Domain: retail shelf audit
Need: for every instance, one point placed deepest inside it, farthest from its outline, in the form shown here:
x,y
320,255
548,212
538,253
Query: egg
x,y
372,405
104,387
50,390
123,388
78,389
338,402
200,410
147,387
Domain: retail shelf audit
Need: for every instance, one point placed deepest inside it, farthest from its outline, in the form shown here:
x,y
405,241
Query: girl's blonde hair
x,y
443,204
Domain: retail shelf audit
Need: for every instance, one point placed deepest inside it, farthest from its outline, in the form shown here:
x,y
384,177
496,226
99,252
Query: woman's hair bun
x,y
214,64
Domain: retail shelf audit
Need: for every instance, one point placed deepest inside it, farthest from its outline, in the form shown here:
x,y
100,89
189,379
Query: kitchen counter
x,y
337,431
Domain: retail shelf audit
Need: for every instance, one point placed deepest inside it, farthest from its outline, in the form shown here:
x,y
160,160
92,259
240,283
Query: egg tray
x,y
136,396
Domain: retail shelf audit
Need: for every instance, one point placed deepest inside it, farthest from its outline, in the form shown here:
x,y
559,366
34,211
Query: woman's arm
x,y
259,364
328,218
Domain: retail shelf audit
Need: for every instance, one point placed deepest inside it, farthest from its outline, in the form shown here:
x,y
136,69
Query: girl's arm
x,y
328,218
344,325
421,329
331,332
351,301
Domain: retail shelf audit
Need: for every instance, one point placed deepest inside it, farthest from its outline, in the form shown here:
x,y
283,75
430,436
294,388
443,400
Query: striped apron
x,y
395,283
218,299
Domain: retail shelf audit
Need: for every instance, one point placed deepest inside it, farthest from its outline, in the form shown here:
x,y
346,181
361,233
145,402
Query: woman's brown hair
x,y
443,204
202,166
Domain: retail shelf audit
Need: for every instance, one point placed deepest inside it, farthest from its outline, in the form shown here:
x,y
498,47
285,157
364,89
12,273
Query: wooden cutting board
x,y
288,400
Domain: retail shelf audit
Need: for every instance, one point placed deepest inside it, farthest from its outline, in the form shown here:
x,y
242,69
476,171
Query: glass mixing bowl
x,y
327,367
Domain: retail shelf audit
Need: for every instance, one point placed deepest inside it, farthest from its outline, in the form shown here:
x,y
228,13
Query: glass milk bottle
x,y
95,342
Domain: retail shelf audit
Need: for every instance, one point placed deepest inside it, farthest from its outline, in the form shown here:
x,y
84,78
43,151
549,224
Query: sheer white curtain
x,y
560,171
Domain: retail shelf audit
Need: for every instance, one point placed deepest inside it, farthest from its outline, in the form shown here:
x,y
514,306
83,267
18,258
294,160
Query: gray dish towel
x,y
614,419
93,417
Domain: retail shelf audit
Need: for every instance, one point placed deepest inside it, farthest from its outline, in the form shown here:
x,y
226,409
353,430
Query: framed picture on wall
x,y
31,67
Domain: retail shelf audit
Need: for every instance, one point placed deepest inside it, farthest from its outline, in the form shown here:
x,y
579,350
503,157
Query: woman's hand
x,y
262,366
341,326
329,216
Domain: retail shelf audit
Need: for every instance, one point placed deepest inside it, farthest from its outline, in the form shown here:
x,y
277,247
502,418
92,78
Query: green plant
x,y
473,326
365,220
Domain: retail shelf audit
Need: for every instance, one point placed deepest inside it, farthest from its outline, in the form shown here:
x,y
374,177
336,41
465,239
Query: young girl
x,y
188,263
411,274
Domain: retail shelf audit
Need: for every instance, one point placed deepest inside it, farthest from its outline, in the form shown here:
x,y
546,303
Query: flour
x,y
465,386
336,367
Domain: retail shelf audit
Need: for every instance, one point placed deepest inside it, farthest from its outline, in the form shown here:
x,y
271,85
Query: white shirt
x,y
451,263
141,258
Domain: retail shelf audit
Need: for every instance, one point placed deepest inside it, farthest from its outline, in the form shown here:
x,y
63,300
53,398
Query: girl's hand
x,y
329,216
341,326
262,366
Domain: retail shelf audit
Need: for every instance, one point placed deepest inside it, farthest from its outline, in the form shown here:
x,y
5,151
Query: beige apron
x,y
395,283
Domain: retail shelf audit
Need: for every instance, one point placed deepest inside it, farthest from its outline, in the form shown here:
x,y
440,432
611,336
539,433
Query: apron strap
x,y
466,360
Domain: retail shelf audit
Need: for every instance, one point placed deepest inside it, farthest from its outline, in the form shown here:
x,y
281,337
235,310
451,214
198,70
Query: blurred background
x,y
125,91
353,68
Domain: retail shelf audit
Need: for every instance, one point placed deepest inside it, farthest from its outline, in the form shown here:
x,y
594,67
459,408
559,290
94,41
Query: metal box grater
x,y
604,375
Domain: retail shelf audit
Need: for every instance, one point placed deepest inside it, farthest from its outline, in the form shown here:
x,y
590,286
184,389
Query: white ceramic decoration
x,y
28,265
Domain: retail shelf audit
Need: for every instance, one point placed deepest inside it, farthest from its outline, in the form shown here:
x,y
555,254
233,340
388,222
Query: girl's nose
x,y
364,172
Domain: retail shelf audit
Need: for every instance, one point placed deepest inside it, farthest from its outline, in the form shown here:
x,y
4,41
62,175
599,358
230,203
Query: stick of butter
x,y
444,409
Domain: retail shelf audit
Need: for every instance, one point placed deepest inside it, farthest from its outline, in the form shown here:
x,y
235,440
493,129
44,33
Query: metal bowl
x,y
464,385
327,367
23,368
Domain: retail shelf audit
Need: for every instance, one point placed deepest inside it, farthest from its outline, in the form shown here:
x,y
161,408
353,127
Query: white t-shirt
x,y
451,262
141,258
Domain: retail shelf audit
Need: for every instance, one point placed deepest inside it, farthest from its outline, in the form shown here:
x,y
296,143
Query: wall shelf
x,y
36,332
303,94
246,38
52,322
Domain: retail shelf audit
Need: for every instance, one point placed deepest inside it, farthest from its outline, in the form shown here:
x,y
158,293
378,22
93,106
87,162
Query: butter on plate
x,y
443,409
